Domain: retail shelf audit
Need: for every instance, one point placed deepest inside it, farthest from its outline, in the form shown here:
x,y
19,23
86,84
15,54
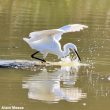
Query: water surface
x,y
56,87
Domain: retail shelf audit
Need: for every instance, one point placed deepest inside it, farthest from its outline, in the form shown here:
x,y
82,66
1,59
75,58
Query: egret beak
x,y
77,55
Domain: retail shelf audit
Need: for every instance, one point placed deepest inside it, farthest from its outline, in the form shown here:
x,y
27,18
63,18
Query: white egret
x,y
47,41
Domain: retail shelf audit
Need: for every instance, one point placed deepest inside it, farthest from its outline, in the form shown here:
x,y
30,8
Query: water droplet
x,y
84,104
108,78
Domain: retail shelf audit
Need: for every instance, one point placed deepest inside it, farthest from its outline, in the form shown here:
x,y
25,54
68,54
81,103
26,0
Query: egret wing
x,y
58,36
69,28
38,35
55,33
72,28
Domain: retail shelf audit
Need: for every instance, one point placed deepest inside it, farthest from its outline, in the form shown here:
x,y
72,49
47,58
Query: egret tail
x,y
26,40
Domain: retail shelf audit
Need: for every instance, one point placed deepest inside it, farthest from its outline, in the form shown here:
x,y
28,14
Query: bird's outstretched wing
x,y
55,33
70,28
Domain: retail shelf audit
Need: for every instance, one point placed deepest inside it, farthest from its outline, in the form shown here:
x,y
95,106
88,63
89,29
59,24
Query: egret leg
x,y
36,57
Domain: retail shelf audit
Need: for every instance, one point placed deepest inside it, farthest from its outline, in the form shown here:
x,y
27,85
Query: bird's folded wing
x,y
38,35
72,28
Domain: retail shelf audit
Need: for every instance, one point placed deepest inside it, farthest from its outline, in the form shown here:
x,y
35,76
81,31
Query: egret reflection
x,y
54,86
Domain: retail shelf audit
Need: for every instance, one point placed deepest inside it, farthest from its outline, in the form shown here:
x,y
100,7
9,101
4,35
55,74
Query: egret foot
x,y
43,61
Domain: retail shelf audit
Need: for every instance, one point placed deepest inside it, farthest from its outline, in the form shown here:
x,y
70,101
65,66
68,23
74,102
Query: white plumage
x,y
47,41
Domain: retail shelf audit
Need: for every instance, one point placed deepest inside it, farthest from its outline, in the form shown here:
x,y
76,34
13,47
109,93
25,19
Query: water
x,y
56,87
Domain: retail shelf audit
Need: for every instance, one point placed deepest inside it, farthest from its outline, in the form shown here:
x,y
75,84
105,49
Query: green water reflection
x,y
86,89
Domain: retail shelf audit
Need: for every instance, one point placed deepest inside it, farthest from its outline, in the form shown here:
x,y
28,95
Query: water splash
x,y
71,61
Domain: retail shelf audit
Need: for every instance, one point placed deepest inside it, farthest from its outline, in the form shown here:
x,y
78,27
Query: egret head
x,y
73,48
